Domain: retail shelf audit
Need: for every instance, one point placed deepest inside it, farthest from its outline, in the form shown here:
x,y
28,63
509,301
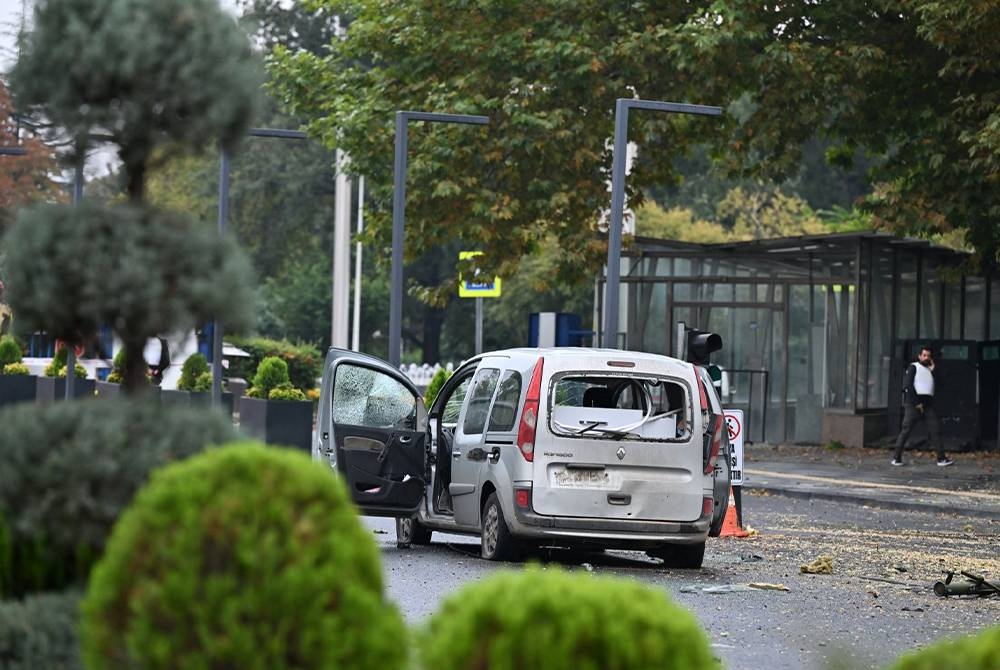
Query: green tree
x,y
547,73
153,77
913,82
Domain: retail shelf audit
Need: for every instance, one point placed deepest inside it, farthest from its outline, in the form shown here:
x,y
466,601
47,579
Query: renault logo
x,y
621,453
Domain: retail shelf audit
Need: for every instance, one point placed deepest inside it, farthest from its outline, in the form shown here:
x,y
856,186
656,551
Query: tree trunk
x,y
433,320
135,381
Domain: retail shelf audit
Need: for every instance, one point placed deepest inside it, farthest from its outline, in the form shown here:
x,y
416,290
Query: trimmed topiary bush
x,y
976,652
271,373
40,632
10,352
203,382
243,557
194,366
69,469
79,371
437,381
563,621
305,362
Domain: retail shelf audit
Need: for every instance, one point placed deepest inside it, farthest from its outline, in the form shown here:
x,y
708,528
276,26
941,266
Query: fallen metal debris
x,y
767,586
973,586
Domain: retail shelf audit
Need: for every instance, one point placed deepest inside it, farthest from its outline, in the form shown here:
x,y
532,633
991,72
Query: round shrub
x,y
70,468
10,352
978,652
16,369
242,557
271,373
79,371
194,366
286,392
58,362
563,621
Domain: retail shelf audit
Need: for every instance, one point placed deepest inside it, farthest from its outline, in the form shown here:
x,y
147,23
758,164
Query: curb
x,y
909,505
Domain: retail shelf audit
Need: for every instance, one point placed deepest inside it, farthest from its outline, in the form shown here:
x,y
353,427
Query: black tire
x,y
497,544
410,531
681,556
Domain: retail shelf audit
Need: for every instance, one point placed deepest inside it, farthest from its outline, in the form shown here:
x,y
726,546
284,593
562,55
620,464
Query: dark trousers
x,y
910,418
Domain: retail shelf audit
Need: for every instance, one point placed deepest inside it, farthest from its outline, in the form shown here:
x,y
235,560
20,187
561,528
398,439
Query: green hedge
x,y
978,652
69,469
559,620
242,557
40,632
305,362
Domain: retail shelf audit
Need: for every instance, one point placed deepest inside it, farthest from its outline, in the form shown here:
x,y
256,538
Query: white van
x,y
564,446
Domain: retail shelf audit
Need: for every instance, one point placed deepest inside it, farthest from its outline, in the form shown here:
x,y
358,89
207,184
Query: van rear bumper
x,y
529,524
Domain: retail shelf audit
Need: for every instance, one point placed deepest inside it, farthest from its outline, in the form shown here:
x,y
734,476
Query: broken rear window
x,y
619,407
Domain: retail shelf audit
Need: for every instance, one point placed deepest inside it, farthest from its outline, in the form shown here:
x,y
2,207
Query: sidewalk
x,y
971,487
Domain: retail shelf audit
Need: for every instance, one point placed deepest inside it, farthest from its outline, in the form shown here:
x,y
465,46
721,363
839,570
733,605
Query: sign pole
x,y
479,325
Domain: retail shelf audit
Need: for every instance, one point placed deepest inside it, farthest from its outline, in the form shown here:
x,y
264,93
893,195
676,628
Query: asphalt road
x,y
876,604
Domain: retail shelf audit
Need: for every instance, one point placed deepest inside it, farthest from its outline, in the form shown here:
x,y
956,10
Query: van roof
x,y
560,354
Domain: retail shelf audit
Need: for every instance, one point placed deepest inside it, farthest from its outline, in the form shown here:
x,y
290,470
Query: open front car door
x,y
379,427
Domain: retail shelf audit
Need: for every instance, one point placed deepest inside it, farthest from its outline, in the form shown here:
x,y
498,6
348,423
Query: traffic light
x,y
700,345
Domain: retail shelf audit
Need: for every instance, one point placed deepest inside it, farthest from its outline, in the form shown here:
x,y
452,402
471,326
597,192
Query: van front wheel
x,y
682,556
497,543
410,531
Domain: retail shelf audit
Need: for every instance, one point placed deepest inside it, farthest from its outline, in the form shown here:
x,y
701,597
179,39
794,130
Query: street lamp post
x,y
622,107
398,216
278,133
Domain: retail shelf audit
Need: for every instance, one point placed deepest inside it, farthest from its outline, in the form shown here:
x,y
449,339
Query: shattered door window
x,y
366,397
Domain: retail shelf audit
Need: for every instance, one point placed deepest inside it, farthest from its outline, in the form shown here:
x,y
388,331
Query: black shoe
x,y
896,462
945,462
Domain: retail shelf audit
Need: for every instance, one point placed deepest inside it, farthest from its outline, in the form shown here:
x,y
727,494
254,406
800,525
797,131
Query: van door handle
x,y
619,500
405,439
456,455
494,456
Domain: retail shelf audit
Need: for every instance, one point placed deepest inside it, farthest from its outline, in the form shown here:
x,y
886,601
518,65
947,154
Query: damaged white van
x,y
557,447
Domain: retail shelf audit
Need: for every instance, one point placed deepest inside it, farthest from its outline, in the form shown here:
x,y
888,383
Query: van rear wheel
x,y
682,556
410,531
497,542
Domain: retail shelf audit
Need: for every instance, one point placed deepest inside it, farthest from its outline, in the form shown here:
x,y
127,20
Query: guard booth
x,y
966,391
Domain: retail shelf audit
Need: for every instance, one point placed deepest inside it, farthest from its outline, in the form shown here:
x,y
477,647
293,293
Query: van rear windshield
x,y
649,409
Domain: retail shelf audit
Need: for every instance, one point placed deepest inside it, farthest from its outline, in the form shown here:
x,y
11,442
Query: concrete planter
x,y
53,389
108,390
175,397
204,398
17,388
279,422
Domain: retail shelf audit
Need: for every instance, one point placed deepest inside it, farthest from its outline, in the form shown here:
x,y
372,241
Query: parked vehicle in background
x,y
564,446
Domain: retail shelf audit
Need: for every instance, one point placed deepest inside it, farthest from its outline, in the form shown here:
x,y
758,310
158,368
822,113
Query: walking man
x,y
918,403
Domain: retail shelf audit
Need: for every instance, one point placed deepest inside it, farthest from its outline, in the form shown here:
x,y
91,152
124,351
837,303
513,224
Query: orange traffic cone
x,y
731,524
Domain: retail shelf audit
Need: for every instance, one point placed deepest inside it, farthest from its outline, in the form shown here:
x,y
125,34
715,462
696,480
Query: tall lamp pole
x,y
398,216
622,107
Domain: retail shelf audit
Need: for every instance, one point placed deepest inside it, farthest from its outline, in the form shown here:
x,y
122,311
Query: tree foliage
x,y
23,179
546,73
914,82
140,74
142,271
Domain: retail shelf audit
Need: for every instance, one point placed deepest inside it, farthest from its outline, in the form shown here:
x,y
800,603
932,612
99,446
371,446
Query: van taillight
x,y
715,446
529,415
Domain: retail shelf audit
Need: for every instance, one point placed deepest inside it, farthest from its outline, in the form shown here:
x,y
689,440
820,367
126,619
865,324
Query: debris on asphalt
x,y
715,588
379,531
900,568
750,558
912,609
767,586
973,586
820,566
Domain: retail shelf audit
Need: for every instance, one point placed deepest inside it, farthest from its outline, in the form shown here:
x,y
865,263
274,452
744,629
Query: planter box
x,y
17,388
204,398
108,390
53,389
284,422
174,397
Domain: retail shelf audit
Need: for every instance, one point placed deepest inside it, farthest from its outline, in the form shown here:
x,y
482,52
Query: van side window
x,y
366,397
505,406
453,405
480,393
